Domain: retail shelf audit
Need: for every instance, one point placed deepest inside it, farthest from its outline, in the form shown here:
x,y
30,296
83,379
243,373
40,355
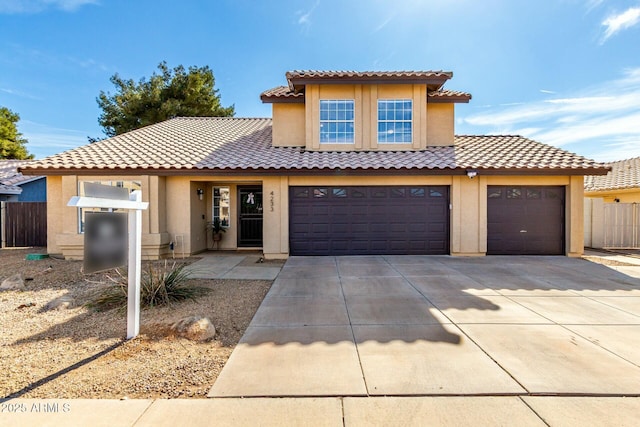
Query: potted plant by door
x,y
216,230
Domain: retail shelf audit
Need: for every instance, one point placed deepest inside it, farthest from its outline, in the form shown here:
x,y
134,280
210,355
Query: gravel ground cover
x,y
81,353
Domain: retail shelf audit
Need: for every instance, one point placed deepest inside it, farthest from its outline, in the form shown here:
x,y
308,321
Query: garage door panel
x,y
370,220
525,220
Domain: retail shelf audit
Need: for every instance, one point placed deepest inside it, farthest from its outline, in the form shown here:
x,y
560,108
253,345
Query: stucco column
x,y
575,217
468,224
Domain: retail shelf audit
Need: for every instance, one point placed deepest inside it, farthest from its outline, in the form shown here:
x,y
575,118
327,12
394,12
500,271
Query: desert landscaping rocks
x,y
194,328
81,353
14,282
61,303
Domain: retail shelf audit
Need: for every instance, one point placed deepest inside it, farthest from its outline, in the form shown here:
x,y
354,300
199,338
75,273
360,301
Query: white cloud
x,y
35,6
592,4
602,120
19,93
384,23
547,91
45,140
621,21
305,17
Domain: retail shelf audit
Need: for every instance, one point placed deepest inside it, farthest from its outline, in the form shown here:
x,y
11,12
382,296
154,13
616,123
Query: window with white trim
x,y
336,121
221,205
395,121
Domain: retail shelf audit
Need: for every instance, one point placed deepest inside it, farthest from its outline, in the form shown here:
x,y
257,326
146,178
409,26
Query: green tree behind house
x,y
12,144
172,93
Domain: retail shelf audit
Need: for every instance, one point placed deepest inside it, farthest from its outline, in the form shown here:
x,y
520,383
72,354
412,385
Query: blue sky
x,y
563,72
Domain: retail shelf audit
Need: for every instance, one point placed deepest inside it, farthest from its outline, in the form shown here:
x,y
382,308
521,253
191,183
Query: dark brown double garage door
x,y
414,220
369,220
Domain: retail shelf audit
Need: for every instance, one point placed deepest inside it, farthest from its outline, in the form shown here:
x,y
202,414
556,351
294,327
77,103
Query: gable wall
x,y
299,124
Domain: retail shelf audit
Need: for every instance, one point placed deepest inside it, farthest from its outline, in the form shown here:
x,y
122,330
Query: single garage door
x,y
369,220
525,220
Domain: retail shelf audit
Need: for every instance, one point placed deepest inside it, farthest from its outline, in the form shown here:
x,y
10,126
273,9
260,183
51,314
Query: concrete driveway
x,y
440,326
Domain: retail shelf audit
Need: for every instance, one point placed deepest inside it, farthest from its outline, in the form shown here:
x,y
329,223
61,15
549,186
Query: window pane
x,y
301,192
514,193
339,192
534,193
357,193
435,193
494,193
397,192
336,121
320,192
394,121
417,192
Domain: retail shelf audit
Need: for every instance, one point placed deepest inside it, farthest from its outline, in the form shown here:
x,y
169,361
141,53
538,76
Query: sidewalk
x,y
348,411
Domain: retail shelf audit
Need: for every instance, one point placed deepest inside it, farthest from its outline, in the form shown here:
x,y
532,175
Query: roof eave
x,y
448,99
195,171
267,99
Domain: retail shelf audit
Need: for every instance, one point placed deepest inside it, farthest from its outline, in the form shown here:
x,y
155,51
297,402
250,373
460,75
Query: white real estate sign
x,y
135,206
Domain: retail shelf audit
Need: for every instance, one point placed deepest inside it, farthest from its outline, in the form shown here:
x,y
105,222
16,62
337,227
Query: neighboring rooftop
x,y
223,144
624,174
11,179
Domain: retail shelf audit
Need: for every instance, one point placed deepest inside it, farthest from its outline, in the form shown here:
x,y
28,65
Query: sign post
x,y
135,206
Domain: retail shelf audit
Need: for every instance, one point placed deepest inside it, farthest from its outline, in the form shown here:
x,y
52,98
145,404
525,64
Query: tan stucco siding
x,y
54,213
627,195
366,98
176,213
288,125
440,119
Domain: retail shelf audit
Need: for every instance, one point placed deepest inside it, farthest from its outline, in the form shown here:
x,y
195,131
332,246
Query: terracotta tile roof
x,y
445,95
198,145
285,94
299,78
9,175
282,94
624,174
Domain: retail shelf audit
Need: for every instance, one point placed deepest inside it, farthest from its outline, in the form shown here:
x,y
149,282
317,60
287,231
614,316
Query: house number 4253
x,y
271,202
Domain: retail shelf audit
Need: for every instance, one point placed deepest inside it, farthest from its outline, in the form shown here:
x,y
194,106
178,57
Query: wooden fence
x,y
23,224
611,225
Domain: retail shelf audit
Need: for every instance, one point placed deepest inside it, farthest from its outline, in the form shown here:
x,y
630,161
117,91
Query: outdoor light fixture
x,y
200,193
472,173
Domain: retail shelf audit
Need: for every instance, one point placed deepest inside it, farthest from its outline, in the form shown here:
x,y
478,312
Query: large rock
x,y
61,303
14,282
195,328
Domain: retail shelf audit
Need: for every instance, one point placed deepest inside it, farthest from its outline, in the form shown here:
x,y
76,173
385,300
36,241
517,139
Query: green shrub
x,y
159,285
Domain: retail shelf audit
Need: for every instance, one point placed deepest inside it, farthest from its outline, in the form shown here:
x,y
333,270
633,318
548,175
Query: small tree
x,y
172,93
12,144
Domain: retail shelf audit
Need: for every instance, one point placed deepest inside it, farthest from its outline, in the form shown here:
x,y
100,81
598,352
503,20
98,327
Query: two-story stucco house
x,y
350,163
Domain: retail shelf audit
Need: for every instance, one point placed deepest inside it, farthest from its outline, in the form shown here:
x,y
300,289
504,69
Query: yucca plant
x,y
159,285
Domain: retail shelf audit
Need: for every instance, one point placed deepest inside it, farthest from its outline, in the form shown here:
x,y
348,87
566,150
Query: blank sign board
x,y
105,241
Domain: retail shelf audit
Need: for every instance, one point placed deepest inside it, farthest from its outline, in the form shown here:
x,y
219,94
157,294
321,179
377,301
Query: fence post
x,y
3,219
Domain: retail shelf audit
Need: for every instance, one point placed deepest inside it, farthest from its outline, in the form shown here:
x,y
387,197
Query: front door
x,y
250,217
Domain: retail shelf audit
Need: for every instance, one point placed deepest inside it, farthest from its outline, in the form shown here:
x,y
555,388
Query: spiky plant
x,y
159,285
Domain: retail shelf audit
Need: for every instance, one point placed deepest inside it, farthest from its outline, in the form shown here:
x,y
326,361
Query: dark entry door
x,y
402,220
250,217
525,220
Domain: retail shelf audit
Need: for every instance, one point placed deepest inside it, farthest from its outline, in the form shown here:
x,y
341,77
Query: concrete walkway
x,y
453,411
216,265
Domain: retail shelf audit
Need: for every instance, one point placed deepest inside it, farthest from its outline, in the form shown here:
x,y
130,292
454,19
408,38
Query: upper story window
x,y
336,121
395,119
